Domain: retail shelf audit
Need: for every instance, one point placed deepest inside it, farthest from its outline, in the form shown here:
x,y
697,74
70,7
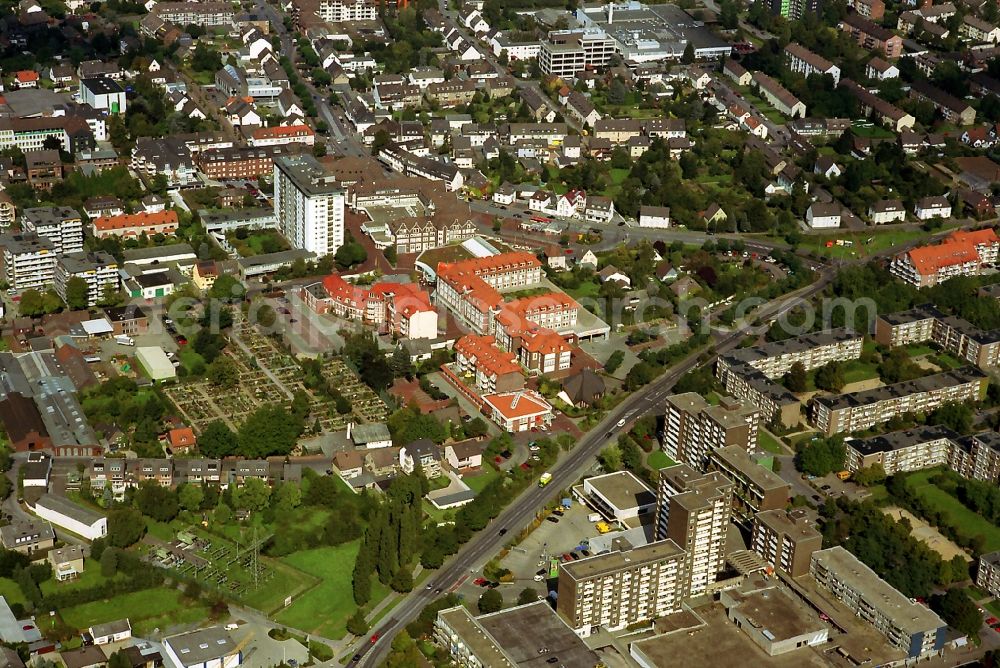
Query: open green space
x,y
994,607
856,370
919,350
11,592
658,459
864,241
325,608
148,609
946,361
586,290
967,522
259,242
477,482
768,442
871,130
91,577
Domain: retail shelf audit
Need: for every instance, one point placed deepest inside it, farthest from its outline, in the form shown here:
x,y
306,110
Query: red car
x,y
479,582
996,628
991,621
374,638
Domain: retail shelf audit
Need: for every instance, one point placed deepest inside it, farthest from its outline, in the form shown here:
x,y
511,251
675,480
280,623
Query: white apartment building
x,y
811,350
803,61
887,211
622,587
902,451
858,411
308,204
908,625
693,510
61,225
337,11
97,268
29,261
692,427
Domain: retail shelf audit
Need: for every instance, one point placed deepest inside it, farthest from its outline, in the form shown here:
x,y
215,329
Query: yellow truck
x,y
844,475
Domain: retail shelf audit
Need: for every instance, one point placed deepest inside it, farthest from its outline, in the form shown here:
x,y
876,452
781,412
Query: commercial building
x,y
61,225
103,93
693,510
29,261
211,647
774,619
618,496
692,427
64,513
243,162
908,625
858,411
626,586
521,410
900,451
786,540
987,574
960,254
97,268
308,204
526,635
156,363
755,488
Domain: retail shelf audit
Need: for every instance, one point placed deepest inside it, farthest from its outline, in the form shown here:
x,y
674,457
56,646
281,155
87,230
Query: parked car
x,y
554,520
479,582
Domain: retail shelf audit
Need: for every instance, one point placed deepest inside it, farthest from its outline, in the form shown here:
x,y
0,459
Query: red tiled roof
x,y
520,404
282,131
928,260
24,76
127,220
545,342
182,437
975,237
488,357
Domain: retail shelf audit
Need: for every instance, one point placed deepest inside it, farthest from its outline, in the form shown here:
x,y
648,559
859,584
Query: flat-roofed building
x,y
692,427
977,456
628,585
618,496
926,323
785,540
693,510
900,451
813,350
210,647
526,635
858,411
988,573
755,488
907,625
774,619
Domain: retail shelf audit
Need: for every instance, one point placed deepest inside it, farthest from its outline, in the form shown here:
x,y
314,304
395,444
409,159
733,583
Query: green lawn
x,y
586,290
769,443
145,609
477,482
11,592
190,359
871,130
91,577
919,350
947,361
880,240
658,459
856,370
994,607
967,522
325,608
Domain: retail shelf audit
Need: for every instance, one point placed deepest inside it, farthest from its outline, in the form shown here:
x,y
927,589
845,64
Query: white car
x,y
621,423
539,578
534,448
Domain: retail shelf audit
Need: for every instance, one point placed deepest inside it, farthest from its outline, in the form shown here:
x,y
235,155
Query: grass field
x,y
91,577
769,443
658,459
325,608
586,290
919,350
994,607
477,482
856,370
880,240
146,610
967,522
11,592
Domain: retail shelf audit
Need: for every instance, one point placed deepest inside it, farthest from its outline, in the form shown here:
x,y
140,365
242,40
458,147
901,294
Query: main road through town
x,y
522,511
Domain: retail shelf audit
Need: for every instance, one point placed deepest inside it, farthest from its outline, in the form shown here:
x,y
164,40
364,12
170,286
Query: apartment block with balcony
x,y
29,261
858,411
693,510
62,225
906,624
977,456
692,427
628,585
988,573
926,323
775,359
786,540
744,382
97,268
755,488
901,451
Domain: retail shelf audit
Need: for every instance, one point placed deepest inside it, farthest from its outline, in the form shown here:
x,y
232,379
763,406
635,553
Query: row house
x,y
803,61
132,225
871,104
243,162
953,110
411,164
451,93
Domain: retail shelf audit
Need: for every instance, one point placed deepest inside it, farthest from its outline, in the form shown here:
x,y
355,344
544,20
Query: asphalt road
x,y
521,512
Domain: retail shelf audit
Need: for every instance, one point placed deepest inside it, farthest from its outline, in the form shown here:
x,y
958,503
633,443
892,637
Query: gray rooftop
x,y
739,459
308,175
171,250
201,646
897,440
622,557
369,433
33,531
796,345
938,381
64,506
623,490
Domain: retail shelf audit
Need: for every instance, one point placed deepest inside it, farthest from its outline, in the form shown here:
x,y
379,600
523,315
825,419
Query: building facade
x,y
308,204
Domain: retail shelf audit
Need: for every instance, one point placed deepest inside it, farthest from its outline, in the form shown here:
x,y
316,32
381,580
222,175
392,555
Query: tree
x,y
223,372
527,595
269,430
156,501
218,440
821,457
287,497
611,458
870,475
357,625
31,303
350,254
796,380
409,424
402,581
77,293
616,92
830,377
125,527
109,563
490,601
958,610
402,366
252,496
954,416
688,56
476,427
227,288
190,497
